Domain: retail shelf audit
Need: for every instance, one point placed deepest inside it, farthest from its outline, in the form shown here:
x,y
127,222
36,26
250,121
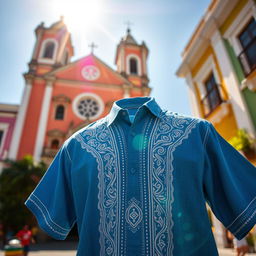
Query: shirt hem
x,y
44,221
245,221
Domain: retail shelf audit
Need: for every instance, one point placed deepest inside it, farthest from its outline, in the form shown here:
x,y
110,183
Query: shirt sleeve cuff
x,y
44,219
245,221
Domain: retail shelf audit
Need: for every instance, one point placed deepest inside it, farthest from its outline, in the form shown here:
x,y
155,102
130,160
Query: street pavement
x,y
65,248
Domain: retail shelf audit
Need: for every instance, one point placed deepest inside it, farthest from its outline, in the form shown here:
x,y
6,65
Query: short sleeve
x,y
51,201
229,184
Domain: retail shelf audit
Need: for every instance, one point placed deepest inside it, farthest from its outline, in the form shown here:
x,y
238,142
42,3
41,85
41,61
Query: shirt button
x,y
133,170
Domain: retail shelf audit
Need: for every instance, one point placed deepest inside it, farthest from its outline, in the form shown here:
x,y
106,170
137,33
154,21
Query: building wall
x,y
7,124
30,127
249,96
227,126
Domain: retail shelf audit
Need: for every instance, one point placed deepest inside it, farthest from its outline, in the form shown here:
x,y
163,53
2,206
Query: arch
x,y
55,144
59,113
48,50
133,64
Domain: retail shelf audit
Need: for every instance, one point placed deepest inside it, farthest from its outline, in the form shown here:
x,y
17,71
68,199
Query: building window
x,y
133,66
59,114
88,107
247,40
212,99
49,50
1,136
55,144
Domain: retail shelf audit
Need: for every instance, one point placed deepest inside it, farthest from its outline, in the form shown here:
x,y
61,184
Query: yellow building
x,y
219,65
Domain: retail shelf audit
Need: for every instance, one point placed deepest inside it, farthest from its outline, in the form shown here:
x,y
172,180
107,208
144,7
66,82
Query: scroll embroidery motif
x,y
166,135
101,144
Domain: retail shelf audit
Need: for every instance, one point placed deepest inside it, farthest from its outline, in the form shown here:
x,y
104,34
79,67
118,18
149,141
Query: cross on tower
x,y
92,46
129,24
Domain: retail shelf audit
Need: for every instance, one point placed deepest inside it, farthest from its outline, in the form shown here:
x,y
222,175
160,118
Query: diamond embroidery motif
x,y
133,214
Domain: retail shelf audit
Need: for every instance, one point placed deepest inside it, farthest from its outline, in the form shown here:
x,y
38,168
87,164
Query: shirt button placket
x,y
132,159
133,170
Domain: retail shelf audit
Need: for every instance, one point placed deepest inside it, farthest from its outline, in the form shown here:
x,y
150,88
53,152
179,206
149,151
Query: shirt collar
x,y
120,105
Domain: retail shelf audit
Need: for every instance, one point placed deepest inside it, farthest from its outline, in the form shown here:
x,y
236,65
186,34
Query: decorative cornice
x,y
50,79
61,98
29,77
56,133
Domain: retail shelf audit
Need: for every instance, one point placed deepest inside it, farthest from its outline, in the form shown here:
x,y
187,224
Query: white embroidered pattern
x,y
99,141
169,132
133,214
162,136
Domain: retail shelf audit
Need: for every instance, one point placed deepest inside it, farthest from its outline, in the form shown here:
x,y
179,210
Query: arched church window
x,y
59,114
55,144
49,50
133,66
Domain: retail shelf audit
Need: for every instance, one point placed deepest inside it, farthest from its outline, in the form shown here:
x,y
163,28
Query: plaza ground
x,y
64,248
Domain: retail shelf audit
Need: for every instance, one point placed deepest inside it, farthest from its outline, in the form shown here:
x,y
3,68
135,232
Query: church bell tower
x,y
131,60
53,48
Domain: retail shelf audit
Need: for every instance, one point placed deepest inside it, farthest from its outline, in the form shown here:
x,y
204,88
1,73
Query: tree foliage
x,y
242,141
17,180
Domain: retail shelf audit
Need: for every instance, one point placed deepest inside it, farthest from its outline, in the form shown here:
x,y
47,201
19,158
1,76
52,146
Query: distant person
x,y
25,236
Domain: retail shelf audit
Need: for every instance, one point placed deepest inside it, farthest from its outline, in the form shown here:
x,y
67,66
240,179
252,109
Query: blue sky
x,y
164,25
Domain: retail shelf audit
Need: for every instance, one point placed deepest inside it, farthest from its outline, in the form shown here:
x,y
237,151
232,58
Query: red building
x,y
62,96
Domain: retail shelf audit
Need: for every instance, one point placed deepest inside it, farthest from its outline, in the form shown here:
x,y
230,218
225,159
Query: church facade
x,y
61,96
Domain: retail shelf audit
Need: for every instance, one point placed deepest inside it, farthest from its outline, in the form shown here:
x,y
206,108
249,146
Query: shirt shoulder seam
x,y
66,150
206,136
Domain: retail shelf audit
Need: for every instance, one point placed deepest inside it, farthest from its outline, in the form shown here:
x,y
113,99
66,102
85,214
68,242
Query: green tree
x,y
17,181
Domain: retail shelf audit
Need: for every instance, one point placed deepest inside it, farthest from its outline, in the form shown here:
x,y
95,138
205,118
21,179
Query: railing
x,y
247,58
211,100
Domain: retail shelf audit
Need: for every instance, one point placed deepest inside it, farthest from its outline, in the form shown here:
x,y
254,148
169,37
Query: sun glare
x,y
79,14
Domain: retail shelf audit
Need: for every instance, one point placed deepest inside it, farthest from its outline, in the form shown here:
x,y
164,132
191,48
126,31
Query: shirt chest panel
x,y
129,199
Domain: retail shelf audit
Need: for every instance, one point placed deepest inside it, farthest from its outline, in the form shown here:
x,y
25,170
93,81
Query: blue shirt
x,y
136,182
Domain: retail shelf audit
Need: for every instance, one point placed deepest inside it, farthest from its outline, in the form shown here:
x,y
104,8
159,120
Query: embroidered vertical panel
x,y
168,132
101,144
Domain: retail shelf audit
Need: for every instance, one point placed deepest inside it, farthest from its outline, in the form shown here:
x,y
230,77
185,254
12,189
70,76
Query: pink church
x,y
61,96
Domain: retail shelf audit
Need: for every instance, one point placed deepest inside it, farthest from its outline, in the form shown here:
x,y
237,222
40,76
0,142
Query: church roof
x,y
74,72
128,38
59,24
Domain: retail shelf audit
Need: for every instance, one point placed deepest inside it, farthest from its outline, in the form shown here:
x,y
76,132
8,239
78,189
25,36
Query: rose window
x,y
88,107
